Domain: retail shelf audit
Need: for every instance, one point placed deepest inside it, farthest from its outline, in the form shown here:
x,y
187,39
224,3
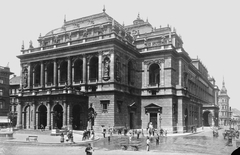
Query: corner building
x,y
130,75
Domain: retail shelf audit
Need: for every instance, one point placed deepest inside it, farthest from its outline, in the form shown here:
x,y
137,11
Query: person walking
x,y
165,133
89,149
157,139
148,144
62,138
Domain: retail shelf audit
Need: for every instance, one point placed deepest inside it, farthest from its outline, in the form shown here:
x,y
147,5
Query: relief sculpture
x,y
106,69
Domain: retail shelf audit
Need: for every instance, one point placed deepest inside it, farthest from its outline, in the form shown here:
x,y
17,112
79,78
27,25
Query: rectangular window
x,y
1,104
15,108
1,81
105,106
1,92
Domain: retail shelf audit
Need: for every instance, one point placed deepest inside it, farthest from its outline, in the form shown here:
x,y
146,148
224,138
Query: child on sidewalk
x,y
148,143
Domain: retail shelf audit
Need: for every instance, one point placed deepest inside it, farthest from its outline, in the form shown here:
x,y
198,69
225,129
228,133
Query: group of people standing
x,y
69,137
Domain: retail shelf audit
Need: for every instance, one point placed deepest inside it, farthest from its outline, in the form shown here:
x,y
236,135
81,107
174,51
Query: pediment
x,y
153,108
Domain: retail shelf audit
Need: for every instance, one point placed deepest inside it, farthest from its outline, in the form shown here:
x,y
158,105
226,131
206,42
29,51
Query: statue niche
x,y
25,78
106,70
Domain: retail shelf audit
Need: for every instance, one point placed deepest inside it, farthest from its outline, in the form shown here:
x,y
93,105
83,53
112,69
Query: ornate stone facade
x,y
129,74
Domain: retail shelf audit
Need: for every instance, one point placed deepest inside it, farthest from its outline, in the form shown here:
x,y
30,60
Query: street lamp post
x,y
160,119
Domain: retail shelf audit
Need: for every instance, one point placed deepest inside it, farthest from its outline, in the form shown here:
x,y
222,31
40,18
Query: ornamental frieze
x,y
157,61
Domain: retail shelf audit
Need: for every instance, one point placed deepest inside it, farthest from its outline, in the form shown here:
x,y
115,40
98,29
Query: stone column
x,y
19,116
64,114
100,66
144,75
33,78
34,115
162,74
29,76
180,124
51,118
111,65
147,75
72,68
180,73
45,80
69,72
69,122
99,70
55,73
48,116
84,72
42,74
36,119
58,74
88,70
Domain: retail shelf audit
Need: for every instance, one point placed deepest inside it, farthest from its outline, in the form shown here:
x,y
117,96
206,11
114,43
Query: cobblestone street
x,y
197,144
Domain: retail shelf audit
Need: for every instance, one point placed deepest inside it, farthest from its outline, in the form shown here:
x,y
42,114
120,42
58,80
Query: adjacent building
x,y
224,108
4,95
93,71
13,92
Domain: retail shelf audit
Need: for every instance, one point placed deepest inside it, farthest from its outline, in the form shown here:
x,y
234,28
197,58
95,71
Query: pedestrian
x,y
42,127
62,138
89,150
148,143
130,137
68,136
157,139
166,133
161,132
71,137
138,133
92,137
104,133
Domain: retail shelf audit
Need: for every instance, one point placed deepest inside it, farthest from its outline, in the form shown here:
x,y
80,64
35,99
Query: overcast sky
x,y
210,29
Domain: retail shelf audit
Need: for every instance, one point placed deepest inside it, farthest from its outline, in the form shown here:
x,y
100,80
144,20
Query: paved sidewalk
x,y
47,139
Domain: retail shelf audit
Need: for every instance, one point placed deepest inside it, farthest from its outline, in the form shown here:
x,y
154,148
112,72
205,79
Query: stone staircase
x,y
30,131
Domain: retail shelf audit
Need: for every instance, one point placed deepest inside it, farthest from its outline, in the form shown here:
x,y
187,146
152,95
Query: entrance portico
x,y
54,112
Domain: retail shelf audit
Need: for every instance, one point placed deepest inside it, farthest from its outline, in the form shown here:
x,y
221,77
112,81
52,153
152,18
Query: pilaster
x,y
55,72
19,116
42,74
69,72
48,116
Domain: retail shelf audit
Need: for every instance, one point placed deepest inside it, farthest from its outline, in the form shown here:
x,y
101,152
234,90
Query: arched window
x,y
49,74
130,73
93,69
78,70
37,74
63,72
154,76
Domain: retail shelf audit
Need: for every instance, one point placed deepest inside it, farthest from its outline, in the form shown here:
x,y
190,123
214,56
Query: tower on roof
x,y
138,20
224,89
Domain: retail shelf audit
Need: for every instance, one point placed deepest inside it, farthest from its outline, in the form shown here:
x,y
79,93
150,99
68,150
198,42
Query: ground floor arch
x,y
207,118
78,117
26,117
42,116
58,116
